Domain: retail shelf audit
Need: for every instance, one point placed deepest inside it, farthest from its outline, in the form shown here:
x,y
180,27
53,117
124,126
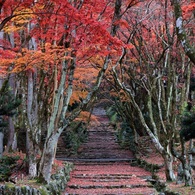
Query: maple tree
x,y
147,75
47,57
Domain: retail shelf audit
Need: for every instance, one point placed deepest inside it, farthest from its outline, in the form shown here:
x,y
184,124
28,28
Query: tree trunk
x,y
32,127
11,136
1,144
11,128
15,142
31,155
45,166
185,172
185,164
32,169
168,160
180,175
187,175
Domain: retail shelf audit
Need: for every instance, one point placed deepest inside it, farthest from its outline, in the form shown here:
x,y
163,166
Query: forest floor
x,y
151,156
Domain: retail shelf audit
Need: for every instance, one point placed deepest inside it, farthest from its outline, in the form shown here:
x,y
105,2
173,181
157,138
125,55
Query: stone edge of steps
x,y
97,160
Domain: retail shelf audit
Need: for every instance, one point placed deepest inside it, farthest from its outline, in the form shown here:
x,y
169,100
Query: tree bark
x,y
1,143
185,165
168,160
32,158
45,166
1,119
15,142
32,127
11,144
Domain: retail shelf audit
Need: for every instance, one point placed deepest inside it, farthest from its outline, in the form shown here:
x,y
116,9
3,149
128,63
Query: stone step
x,y
98,147
98,138
116,191
111,177
104,177
92,152
101,136
103,152
105,132
100,160
109,186
93,144
106,156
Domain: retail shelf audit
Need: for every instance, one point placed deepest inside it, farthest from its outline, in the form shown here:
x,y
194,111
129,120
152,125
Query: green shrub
x,y
7,163
74,136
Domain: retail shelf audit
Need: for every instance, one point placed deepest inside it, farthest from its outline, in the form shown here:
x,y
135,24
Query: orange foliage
x,y
84,116
188,9
84,77
31,59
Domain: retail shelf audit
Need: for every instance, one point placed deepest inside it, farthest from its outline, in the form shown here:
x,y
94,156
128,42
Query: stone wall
x,y
56,186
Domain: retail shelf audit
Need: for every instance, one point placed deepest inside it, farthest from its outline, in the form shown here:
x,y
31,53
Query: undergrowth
x,y
7,165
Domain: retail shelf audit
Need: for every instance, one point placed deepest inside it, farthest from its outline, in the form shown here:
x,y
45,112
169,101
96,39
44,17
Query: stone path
x,y
103,168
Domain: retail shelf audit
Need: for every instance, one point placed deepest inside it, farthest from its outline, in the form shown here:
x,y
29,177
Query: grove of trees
x,y
58,53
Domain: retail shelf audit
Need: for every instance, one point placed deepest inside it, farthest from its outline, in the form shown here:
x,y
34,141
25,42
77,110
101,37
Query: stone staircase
x,y
102,167
108,178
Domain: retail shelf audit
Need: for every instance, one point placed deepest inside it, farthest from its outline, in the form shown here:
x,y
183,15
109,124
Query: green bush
x,y
188,123
74,136
125,136
7,163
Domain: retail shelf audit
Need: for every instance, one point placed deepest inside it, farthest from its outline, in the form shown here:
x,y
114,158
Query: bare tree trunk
x,y
45,166
1,131
190,161
15,142
31,127
31,156
11,128
184,169
185,165
168,160
1,143
11,144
